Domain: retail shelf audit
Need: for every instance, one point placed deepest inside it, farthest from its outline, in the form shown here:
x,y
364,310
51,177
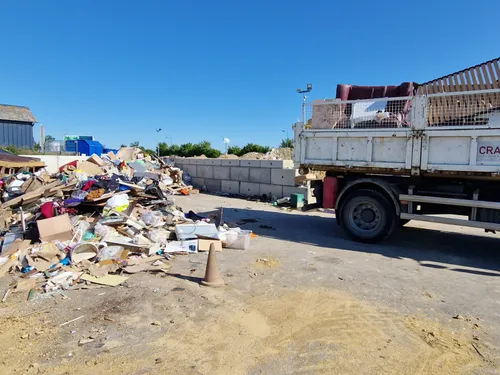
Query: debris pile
x,y
98,220
274,154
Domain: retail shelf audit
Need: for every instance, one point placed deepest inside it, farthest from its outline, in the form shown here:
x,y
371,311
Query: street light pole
x,y
286,132
158,142
304,100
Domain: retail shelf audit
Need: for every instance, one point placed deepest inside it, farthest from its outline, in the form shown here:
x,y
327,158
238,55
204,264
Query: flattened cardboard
x,y
96,160
55,228
204,245
111,280
90,168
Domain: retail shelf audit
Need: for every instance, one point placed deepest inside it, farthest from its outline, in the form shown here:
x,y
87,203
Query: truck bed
x,y
450,134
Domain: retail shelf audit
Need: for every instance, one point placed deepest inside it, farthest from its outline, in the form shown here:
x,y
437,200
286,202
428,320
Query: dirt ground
x,y
302,300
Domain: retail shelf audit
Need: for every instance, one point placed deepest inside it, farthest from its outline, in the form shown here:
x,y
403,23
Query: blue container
x,y
85,146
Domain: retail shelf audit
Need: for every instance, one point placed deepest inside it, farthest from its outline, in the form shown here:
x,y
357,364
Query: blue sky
x,y
204,70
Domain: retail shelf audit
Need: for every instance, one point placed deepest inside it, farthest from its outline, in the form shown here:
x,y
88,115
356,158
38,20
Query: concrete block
x,y
212,184
222,173
213,161
230,162
260,175
198,161
249,163
240,173
283,176
249,188
273,190
231,187
205,171
191,170
187,162
276,164
289,190
198,182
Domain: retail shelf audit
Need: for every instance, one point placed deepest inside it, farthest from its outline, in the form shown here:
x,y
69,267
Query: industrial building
x,y
16,126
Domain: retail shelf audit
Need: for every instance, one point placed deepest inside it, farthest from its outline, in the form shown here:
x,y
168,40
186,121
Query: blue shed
x,y
16,126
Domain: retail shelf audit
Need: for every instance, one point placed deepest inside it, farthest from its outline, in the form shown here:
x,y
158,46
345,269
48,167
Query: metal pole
x,y
304,110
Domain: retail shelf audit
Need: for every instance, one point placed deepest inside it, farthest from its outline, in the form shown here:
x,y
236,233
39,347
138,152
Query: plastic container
x,y
239,240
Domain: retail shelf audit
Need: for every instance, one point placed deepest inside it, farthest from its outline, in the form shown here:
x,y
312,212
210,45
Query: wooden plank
x,y
493,81
473,79
480,77
451,221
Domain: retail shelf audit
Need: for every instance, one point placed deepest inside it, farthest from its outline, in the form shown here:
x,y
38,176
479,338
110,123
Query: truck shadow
x,y
454,251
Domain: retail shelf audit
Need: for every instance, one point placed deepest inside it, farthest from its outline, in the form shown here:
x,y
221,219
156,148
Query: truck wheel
x,y
367,216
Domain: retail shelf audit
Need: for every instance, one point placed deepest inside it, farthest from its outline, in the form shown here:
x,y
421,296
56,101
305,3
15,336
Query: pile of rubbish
x,y
95,221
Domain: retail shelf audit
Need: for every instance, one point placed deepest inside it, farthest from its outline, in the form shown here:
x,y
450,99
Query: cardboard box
x,y
90,168
96,160
204,245
55,228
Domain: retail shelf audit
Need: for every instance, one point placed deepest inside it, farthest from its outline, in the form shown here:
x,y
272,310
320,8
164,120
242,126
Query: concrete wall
x,y
243,176
53,162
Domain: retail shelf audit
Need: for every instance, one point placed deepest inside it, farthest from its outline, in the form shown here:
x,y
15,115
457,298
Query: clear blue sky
x,y
204,70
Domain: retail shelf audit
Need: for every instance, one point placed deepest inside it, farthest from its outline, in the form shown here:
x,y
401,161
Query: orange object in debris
x,y
253,235
185,191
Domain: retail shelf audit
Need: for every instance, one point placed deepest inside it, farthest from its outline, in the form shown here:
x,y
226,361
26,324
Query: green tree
x,y
174,150
251,147
134,144
49,138
286,143
234,150
163,149
186,150
122,145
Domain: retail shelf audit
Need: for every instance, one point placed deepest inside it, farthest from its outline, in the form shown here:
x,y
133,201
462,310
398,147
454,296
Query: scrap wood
x,y
130,218
71,321
5,295
34,194
31,184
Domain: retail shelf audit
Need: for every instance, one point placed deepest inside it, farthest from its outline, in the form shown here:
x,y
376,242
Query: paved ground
x,y
302,300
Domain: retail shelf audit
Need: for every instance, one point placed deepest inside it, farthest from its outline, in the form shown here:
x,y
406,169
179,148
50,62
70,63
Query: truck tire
x,y
367,216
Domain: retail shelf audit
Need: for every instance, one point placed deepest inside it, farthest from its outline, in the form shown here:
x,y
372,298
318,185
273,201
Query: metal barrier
x,y
459,109
377,113
479,108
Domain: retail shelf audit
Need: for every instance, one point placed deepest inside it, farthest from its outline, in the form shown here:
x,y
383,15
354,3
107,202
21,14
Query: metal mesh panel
x,y
473,108
358,114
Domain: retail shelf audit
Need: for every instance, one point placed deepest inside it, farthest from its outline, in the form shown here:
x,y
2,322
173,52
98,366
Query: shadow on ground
x,y
431,248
